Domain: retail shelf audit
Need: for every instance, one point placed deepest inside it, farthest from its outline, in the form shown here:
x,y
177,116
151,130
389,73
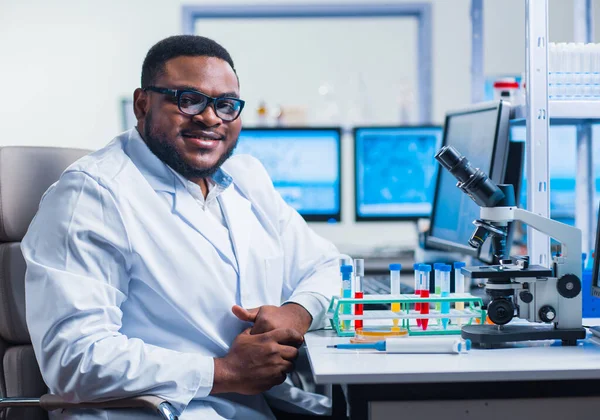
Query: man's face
x,y
195,146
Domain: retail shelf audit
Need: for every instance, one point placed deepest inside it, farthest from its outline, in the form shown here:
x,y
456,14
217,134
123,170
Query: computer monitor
x,y
480,132
596,270
394,171
304,164
513,175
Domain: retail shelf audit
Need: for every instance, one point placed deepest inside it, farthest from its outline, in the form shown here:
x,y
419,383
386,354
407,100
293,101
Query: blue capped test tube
x,y
459,286
445,291
346,271
416,270
436,284
395,287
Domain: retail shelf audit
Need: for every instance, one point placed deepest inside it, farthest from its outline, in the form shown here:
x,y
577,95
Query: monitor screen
x,y
596,256
562,147
481,134
304,164
394,171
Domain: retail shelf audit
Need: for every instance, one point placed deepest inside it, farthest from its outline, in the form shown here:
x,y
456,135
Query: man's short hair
x,y
178,46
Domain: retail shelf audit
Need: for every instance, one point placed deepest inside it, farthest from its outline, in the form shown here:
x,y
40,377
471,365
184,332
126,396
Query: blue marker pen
x,y
410,345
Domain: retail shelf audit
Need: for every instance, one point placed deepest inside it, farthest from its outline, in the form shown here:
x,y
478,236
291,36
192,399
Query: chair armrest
x,y
51,402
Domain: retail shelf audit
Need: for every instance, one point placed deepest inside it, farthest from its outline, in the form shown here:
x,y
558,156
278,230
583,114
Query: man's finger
x,y
288,353
287,368
257,329
286,336
247,315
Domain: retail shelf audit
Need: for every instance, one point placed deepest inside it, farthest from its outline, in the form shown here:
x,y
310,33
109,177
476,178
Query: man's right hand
x,y
256,363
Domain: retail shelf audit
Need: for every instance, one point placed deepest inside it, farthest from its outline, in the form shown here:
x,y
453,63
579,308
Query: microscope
x,y
548,297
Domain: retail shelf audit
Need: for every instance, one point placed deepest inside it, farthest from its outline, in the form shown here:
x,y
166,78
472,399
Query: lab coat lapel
x,y
184,205
237,210
189,210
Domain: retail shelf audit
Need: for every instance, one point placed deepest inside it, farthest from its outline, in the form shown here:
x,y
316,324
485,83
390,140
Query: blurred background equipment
x,y
395,171
304,164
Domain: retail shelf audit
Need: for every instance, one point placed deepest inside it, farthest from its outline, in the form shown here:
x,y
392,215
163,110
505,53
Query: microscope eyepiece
x,y
484,192
448,157
472,181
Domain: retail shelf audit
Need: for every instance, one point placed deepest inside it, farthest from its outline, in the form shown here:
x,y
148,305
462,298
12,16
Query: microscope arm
x,y
568,236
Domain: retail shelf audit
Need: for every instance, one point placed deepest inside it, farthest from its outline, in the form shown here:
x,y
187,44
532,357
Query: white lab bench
x,y
519,381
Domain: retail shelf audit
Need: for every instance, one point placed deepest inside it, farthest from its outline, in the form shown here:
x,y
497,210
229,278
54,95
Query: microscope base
x,y
487,336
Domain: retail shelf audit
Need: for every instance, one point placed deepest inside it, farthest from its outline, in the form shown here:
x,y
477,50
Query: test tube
x,y
395,287
359,272
344,261
425,272
417,268
346,271
459,286
436,283
445,291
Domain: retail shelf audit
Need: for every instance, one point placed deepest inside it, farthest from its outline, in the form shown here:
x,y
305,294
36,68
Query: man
x,y
159,264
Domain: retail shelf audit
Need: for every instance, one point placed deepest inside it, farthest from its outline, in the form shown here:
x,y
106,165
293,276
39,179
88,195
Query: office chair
x,y
25,174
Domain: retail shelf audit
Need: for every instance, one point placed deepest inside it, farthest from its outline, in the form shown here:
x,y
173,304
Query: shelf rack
x,y
539,112
342,322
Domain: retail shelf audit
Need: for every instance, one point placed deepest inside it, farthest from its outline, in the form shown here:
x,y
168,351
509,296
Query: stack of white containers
x,y
574,71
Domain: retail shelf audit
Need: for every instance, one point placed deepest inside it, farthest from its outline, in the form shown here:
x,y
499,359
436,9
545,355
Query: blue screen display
x,y
303,164
562,144
395,171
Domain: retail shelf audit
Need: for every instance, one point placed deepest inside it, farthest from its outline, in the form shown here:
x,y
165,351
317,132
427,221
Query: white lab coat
x,y
129,284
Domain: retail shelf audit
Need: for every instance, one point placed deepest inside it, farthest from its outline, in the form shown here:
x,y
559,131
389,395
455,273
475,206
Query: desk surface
x,y
520,362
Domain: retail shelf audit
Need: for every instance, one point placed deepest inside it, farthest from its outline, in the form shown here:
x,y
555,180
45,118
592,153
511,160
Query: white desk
x,y
478,378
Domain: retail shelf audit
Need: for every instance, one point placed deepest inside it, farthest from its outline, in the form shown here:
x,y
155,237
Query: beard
x,y
159,143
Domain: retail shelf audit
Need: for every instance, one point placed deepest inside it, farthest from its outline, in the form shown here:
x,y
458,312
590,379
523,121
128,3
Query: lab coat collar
x,y
154,170
185,206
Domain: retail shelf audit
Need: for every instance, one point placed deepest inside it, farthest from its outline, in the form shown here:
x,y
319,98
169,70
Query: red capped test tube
x,y
417,269
359,272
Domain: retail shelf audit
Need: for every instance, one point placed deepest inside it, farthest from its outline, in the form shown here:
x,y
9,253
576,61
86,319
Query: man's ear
x,y
140,103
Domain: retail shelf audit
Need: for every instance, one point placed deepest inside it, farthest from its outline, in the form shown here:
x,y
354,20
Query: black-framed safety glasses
x,y
192,102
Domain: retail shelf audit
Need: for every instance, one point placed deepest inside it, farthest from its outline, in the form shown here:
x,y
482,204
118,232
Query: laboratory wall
x,y
66,65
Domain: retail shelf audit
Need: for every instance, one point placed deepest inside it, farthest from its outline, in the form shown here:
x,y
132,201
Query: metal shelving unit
x,y
575,111
567,112
539,112
537,123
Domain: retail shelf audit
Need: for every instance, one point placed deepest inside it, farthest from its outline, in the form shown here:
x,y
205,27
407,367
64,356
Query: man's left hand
x,y
268,317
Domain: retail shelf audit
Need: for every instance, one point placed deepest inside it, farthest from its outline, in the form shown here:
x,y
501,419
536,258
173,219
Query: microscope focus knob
x,y
568,286
501,311
547,313
526,297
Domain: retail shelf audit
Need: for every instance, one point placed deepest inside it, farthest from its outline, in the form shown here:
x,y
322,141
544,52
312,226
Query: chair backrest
x,y
25,174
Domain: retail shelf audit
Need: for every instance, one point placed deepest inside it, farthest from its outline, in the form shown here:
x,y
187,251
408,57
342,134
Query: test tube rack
x,y
472,313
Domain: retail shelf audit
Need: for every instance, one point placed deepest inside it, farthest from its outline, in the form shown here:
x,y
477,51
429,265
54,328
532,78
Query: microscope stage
x,y
489,335
505,271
